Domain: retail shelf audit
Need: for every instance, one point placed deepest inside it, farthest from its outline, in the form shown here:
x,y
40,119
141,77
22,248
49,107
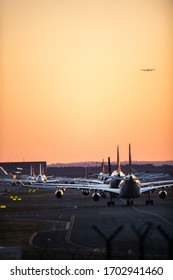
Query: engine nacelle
x,y
59,193
162,194
85,192
96,196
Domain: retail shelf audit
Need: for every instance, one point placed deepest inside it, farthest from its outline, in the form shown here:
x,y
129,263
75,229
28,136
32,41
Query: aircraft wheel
x,y
132,202
128,203
151,202
103,195
109,203
147,202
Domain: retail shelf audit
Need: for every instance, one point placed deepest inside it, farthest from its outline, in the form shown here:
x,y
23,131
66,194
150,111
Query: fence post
x,y
142,236
108,240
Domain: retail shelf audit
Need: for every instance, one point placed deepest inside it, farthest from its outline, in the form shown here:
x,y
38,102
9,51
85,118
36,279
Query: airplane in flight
x,y
129,188
148,69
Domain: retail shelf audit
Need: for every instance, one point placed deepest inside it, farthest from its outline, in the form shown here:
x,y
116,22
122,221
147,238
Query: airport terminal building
x,y
24,167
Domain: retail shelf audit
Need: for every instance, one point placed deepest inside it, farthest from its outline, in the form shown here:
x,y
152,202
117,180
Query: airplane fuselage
x,y
129,188
114,184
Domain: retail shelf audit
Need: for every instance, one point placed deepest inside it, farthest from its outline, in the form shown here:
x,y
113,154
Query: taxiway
x,y
85,229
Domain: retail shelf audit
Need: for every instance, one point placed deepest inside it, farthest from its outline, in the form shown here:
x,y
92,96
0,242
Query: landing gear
x,y
129,202
149,201
110,202
102,193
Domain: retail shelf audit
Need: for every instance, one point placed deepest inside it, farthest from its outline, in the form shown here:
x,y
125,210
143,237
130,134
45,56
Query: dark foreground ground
x,y
75,227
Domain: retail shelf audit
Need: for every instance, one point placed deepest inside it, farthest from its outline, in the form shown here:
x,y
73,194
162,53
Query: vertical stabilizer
x,y
86,172
40,171
109,166
118,160
103,167
130,160
32,171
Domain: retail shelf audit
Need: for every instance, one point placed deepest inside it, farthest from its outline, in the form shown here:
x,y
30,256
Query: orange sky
x,y
71,86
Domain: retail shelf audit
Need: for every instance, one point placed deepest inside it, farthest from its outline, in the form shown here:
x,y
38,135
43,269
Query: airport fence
x,y
147,241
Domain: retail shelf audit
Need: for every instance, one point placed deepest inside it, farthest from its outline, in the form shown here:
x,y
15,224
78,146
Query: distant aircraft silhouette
x,y
148,69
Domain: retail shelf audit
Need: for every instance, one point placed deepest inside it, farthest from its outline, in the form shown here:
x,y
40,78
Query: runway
x,y
76,227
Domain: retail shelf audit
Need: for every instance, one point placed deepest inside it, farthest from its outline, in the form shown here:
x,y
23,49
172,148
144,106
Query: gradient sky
x,y
71,84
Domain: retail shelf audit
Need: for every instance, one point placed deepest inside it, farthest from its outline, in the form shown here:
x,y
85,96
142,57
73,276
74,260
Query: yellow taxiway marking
x,y
32,190
14,198
3,206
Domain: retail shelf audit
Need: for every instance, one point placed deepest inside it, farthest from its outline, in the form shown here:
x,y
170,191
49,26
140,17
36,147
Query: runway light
x,y
19,198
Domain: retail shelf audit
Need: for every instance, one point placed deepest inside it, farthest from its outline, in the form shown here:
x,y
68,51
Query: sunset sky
x,y
71,84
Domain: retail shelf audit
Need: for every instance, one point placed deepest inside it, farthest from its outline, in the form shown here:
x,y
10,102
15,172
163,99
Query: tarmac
x,y
85,229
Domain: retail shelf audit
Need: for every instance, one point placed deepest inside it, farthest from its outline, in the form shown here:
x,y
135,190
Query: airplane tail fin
x,y
40,170
109,166
32,171
3,170
103,167
130,160
118,160
86,172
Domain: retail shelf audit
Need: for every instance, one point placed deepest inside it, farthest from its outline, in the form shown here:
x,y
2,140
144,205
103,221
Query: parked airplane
x,y
128,188
112,179
115,176
32,179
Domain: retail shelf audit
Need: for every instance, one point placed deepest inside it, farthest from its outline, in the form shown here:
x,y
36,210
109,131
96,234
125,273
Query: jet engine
x,y
162,194
96,196
85,192
59,193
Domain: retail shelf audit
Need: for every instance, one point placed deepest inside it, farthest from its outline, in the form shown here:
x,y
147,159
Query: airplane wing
x,y
14,181
139,176
105,188
91,181
78,186
145,187
148,189
156,183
